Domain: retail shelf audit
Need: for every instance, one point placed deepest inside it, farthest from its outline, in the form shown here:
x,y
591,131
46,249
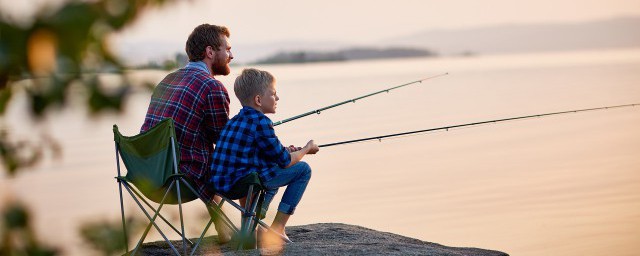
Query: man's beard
x,y
220,67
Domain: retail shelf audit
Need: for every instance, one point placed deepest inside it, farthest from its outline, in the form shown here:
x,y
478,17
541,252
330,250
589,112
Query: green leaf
x,y
16,217
5,97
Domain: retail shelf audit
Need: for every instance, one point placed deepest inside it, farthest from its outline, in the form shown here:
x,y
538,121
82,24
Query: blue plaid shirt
x,y
247,144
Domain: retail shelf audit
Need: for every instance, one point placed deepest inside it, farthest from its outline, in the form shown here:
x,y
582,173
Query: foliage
x,y
17,235
58,49
108,236
44,57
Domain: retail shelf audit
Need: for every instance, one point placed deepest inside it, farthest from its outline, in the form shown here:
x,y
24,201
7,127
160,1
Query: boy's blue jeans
x,y
295,178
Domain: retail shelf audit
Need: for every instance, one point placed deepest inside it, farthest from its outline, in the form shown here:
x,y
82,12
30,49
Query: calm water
x,y
563,185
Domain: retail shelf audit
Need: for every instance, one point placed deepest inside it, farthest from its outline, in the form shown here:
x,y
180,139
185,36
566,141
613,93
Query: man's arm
x,y
216,112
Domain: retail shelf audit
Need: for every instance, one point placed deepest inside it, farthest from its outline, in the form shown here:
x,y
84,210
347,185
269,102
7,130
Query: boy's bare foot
x,y
270,239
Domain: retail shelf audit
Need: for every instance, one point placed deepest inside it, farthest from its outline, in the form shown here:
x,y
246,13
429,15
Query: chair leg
x,y
152,220
124,225
260,222
193,250
215,211
234,205
161,217
217,208
247,241
175,171
184,242
253,210
148,228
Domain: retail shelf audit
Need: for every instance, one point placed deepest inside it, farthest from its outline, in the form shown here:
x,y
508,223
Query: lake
x,y
559,185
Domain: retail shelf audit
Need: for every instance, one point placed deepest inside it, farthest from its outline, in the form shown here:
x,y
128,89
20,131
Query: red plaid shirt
x,y
199,106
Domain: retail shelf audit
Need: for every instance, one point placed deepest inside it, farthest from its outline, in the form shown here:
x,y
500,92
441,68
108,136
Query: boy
x,y
248,144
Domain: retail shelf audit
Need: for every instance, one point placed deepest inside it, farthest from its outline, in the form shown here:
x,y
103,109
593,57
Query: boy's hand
x,y
293,148
312,147
296,156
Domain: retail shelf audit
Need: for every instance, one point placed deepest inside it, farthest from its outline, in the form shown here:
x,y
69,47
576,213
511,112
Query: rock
x,y
331,239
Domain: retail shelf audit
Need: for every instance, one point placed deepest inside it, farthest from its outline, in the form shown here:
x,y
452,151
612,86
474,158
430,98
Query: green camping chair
x,y
151,160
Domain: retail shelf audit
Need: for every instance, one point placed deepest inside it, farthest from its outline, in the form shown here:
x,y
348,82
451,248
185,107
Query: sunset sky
x,y
354,21
364,20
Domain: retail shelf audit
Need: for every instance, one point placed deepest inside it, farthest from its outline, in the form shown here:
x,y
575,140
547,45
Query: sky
x,y
260,21
255,22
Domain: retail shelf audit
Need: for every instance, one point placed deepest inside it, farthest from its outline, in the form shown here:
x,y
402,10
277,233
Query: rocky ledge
x,y
332,239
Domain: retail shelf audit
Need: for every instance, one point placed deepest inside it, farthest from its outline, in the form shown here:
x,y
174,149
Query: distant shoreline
x,y
287,57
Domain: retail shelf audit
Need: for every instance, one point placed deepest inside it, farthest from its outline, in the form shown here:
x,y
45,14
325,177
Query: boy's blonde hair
x,y
250,83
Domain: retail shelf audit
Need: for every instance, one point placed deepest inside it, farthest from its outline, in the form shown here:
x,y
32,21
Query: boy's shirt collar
x,y
246,110
198,65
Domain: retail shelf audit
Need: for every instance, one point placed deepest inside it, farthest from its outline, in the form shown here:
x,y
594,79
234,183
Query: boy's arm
x,y
310,148
269,146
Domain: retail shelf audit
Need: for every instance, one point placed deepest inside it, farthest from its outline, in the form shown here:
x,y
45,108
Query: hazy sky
x,y
258,21
350,21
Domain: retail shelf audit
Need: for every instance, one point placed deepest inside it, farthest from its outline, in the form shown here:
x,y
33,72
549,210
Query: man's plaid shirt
x,y
199,106
247,144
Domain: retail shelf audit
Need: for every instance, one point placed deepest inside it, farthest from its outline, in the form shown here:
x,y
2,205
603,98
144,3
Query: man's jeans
x,y
295,178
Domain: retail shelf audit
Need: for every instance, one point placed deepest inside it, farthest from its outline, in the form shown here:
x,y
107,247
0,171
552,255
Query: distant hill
x,y
344,55
610,33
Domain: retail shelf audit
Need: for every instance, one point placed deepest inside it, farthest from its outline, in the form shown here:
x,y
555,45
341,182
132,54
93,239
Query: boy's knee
x,y
305,169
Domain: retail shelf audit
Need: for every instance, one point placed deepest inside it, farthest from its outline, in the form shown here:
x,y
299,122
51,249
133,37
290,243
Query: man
x,y
198,104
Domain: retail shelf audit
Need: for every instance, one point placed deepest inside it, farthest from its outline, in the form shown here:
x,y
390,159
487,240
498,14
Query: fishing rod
x,y
446,128
317,111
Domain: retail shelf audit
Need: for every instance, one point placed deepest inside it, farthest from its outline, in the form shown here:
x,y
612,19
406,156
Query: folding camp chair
x,y
151,159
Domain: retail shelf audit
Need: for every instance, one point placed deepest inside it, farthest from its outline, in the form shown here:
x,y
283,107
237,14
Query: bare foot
x,y
271,239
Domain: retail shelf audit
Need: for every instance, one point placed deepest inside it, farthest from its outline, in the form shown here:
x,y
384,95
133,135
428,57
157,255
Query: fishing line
x,y
467,125
318,111
441,131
